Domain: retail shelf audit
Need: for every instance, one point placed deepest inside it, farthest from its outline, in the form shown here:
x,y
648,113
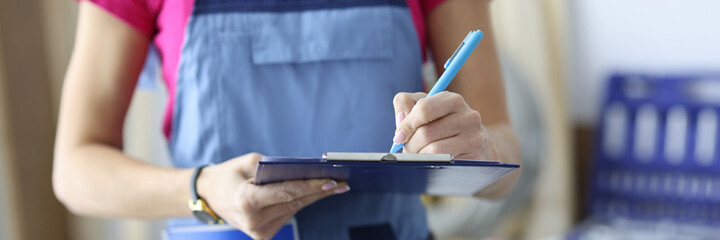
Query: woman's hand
x,y
442,123
258,210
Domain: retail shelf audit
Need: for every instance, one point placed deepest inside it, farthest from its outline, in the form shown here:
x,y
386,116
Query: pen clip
x,y
447,63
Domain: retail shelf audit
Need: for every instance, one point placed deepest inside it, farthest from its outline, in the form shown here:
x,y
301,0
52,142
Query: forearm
x,y
99,180
504,141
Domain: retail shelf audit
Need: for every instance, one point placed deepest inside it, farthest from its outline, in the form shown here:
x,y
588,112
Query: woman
x,y
289,78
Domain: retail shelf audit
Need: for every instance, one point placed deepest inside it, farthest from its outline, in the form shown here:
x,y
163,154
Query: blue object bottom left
x,y
221,233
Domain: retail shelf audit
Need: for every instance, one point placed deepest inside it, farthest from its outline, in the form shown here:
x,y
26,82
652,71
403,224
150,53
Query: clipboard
x,y
434,174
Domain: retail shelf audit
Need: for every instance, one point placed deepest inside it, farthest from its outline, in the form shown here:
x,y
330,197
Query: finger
x,y
403,103
277,210
445,127
461,145
427,110
268,231
274,193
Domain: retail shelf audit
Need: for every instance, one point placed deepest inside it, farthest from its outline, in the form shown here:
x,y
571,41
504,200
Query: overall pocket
x,y
286,82
321,35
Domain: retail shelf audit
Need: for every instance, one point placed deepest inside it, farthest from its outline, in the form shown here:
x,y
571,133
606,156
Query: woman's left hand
x,y
442,123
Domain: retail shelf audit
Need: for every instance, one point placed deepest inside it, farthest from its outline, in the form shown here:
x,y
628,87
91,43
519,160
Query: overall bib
x,y
299,78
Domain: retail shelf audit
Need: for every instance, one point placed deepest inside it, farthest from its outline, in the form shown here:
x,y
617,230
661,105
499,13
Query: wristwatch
x,y
198,206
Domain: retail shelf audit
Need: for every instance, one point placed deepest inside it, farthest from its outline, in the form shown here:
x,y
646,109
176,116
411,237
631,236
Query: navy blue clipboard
x,y
435,174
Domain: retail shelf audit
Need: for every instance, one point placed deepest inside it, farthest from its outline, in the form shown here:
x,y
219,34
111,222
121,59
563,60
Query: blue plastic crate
x,y
657,153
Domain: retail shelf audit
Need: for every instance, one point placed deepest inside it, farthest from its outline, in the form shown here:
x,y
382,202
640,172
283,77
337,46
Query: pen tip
x,y
396,147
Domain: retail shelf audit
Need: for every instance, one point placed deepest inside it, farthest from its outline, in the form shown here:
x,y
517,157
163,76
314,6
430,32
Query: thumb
x,y
248,164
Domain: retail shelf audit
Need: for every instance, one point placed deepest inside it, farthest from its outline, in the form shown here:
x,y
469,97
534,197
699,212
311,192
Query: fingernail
x,y
329,185
398,118
342,189
399,137
317,182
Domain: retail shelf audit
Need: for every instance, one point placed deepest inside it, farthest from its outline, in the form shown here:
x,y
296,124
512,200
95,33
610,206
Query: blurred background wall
x,y
8,227
561,50
28,120
661,37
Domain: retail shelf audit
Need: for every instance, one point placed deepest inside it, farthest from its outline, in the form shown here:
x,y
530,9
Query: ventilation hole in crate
x,y
675,135
646,125
706,137
615,128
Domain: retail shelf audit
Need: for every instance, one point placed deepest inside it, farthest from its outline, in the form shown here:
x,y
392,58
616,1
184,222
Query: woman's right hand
x,y
258,210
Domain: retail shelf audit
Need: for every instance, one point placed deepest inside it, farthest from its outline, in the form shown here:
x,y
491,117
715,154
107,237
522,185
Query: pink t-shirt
x,y
163,21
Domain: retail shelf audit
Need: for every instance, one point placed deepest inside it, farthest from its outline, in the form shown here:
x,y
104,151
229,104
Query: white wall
x,y
649,36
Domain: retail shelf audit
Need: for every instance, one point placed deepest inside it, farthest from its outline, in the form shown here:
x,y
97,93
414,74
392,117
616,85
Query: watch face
x,y
205,217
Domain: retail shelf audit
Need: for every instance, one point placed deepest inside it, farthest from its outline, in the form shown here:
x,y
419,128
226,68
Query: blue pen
x,y
452,66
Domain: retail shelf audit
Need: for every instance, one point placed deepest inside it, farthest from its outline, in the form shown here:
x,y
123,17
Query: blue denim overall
x,y
299,78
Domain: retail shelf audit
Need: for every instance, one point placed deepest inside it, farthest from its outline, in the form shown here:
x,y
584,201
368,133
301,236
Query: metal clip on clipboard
x,y
386,157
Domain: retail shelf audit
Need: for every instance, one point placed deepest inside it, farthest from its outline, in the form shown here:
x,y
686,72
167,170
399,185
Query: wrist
x,y
203,183
503,143
199,203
